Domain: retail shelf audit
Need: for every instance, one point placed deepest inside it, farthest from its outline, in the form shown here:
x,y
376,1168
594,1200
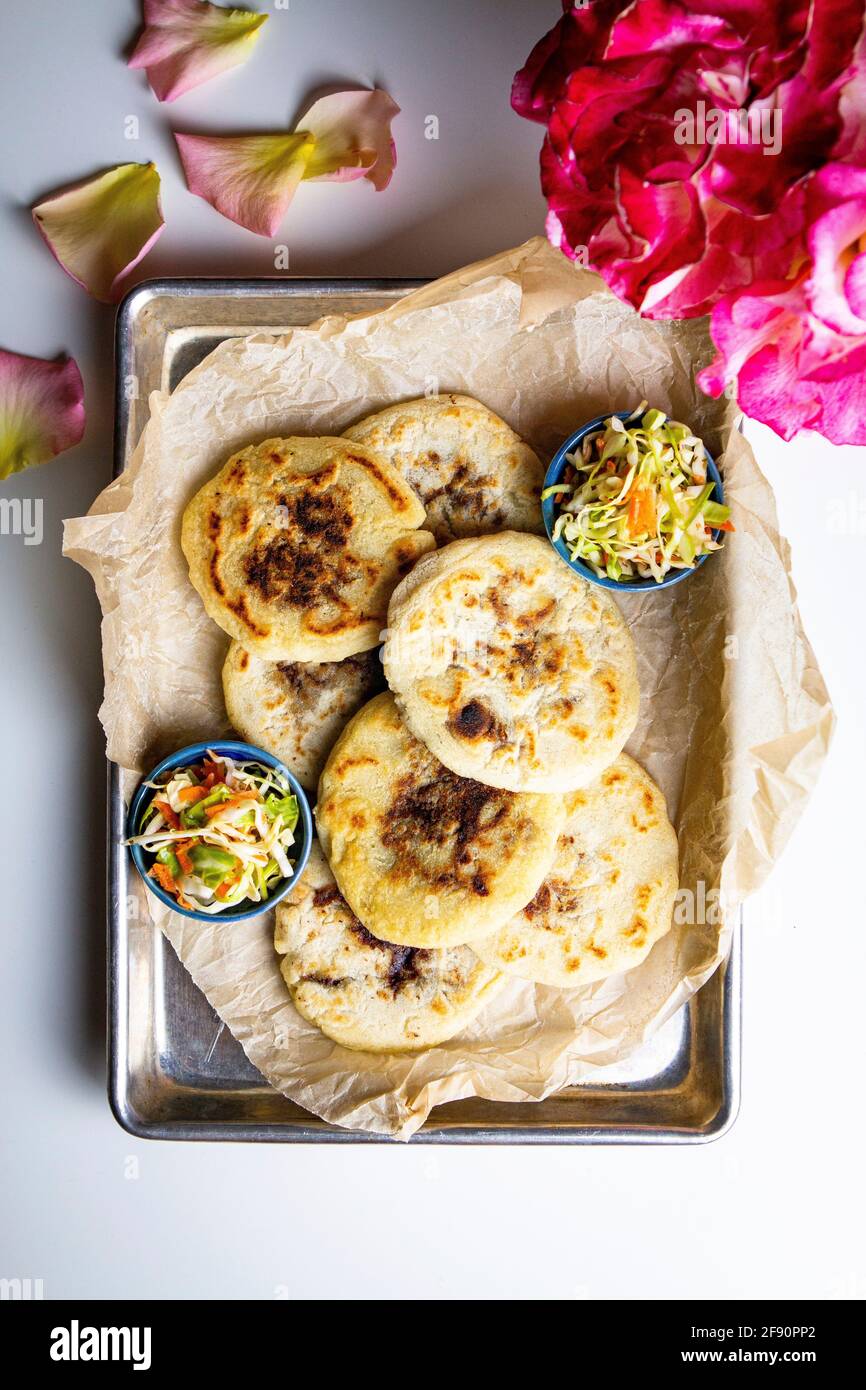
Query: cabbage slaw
x,y
220,832
635,502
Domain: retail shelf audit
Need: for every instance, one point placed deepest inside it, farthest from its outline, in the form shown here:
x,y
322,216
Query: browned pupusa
x,y
366,993
423,857
296,545
296,709
473,474
609,893
509,667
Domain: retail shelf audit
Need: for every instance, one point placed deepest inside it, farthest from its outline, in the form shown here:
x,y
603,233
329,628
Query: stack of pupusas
x,y
477,817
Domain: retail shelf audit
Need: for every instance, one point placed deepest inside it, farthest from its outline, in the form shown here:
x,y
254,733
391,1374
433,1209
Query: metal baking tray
x,y
175,1071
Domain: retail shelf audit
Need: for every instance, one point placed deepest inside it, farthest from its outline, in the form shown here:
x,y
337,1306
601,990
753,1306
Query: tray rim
x,y
117,974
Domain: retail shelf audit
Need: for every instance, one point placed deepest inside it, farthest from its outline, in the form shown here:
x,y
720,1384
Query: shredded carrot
x,y
641,512
190,795
237,800
182,849
168,814
227,885
726,526
162,874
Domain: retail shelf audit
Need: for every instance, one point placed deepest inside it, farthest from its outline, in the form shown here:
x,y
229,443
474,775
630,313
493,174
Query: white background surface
x,y
774,1208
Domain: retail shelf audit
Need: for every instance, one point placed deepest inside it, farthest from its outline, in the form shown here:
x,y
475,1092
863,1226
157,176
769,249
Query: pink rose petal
x,y
579,39
664,24
771,388
250,179
187,42
852,103
743,323
41,410
100,229
739,250
855,285
792,371
664,226
352,131
837,216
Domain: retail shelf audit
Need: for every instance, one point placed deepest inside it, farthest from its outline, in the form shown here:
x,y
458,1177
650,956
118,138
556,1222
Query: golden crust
x,y
423,857
609,894
473,474
365,993
296,545
296,709
511,668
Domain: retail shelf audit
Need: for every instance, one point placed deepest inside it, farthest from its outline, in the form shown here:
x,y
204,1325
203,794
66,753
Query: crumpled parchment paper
x,y
735,718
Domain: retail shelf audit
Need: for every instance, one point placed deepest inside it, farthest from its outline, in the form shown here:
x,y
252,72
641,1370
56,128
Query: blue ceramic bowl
x,y
193,754
558,465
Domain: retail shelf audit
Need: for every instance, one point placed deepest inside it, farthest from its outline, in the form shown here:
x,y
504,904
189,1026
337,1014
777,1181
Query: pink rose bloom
x,y
703,155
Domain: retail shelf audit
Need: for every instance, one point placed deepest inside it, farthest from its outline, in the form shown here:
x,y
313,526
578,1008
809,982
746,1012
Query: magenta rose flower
x,y
687,159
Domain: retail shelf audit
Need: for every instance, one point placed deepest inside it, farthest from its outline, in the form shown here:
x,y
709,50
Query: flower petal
x,y
852,102
352,131
855,285
100,229
41,409
666,25
739,250
837,216
792,371
187,42
579,39
659,227
831,401
250,179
